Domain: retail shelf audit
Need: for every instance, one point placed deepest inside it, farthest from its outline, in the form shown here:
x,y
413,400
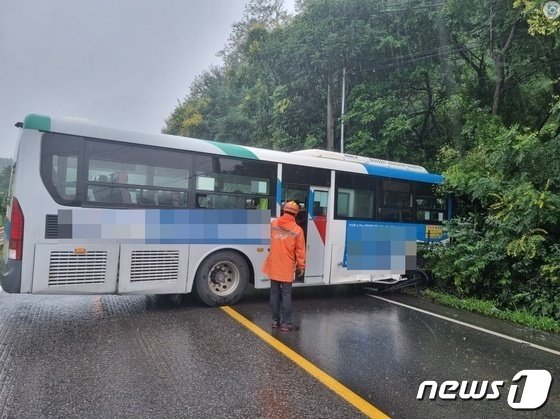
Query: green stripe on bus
x,y
38,122
235,150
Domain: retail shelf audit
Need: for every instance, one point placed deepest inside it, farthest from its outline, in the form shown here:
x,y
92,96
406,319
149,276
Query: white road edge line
x,y
542,348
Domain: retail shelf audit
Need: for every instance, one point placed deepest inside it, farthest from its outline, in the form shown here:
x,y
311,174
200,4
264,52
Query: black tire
x,y
221,278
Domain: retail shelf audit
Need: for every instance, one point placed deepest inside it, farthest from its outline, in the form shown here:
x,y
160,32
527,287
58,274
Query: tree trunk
x,y
500,77
500,60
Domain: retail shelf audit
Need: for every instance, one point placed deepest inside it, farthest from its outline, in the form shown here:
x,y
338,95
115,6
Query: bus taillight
x,y
16,231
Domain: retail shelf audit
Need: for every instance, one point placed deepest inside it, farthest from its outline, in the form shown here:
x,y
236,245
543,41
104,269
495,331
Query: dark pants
x,y
281,301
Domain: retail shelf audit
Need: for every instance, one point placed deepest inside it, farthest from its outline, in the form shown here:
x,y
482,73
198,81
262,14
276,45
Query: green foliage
x,y
459,87
489,308
505,246
4,162
469,262
4,185
538,23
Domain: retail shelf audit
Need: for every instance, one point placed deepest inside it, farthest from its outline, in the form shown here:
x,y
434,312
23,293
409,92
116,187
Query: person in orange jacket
x,y
287,252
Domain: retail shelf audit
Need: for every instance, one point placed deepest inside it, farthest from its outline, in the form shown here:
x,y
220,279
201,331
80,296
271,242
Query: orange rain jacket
x,y
287,249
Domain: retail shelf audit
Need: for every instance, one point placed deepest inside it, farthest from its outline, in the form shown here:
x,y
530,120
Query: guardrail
x,y
1,236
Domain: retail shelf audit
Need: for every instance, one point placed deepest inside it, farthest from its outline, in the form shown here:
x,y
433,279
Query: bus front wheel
x,y
222,278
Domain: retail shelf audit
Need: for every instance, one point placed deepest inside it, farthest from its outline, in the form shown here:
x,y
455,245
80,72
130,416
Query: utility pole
x,y
342,110
330,122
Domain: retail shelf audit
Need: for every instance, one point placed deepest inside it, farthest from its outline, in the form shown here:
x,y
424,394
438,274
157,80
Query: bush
x,y
503,246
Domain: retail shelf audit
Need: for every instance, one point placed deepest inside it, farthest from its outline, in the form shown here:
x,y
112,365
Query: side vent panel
x,y
69,268
154,265
153,269
51,226
75,268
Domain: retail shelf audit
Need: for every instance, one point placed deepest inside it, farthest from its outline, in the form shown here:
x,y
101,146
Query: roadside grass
x,y
488,308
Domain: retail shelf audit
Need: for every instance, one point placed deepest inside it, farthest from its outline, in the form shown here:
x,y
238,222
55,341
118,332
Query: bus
x,y
96,210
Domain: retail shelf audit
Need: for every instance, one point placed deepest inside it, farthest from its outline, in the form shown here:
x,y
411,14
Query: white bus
x,y
95,210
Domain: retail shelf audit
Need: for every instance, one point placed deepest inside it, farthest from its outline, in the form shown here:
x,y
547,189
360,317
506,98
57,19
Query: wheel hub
x,y
223,278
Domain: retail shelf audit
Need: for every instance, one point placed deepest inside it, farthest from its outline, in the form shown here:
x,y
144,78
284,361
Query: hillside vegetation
x,y
468,89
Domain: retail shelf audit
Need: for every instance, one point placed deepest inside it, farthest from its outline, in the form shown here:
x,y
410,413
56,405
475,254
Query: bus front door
x,y
316,235
313,220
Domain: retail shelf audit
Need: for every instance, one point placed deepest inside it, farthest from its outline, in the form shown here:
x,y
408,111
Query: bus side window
x,y
318,210
171,198
64,175
145,197
201,201
120,195
164,198
101,193
236,201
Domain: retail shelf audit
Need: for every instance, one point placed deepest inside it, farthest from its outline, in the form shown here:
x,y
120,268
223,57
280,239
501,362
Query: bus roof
x,y
311,158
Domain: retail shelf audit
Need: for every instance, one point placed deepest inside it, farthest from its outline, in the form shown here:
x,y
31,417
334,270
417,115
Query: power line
x,y
424,6
415,57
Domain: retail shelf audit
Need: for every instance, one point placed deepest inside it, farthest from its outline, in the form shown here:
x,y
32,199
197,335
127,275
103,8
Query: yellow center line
x,y
343,391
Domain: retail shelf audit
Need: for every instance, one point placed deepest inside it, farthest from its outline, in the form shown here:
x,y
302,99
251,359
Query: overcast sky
x,y
120,63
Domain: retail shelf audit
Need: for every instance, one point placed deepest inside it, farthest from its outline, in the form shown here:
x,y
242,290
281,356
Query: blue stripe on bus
x,y
168,226
403,174
279,191
236,216
208,241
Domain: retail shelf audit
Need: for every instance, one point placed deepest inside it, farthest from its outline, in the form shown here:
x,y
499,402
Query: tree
x,y
539,24
267,14
459,87
4,186
505,244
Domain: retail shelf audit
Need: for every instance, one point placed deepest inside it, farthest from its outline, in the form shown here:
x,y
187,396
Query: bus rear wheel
x,y
222,278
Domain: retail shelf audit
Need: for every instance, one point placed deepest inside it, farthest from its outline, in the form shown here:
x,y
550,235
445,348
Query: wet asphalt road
x,y
137,356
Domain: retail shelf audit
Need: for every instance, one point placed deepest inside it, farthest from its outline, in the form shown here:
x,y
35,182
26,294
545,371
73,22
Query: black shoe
x,y
275,324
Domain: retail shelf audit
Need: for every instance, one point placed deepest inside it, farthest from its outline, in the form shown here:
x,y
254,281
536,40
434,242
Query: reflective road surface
x,y
138,356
